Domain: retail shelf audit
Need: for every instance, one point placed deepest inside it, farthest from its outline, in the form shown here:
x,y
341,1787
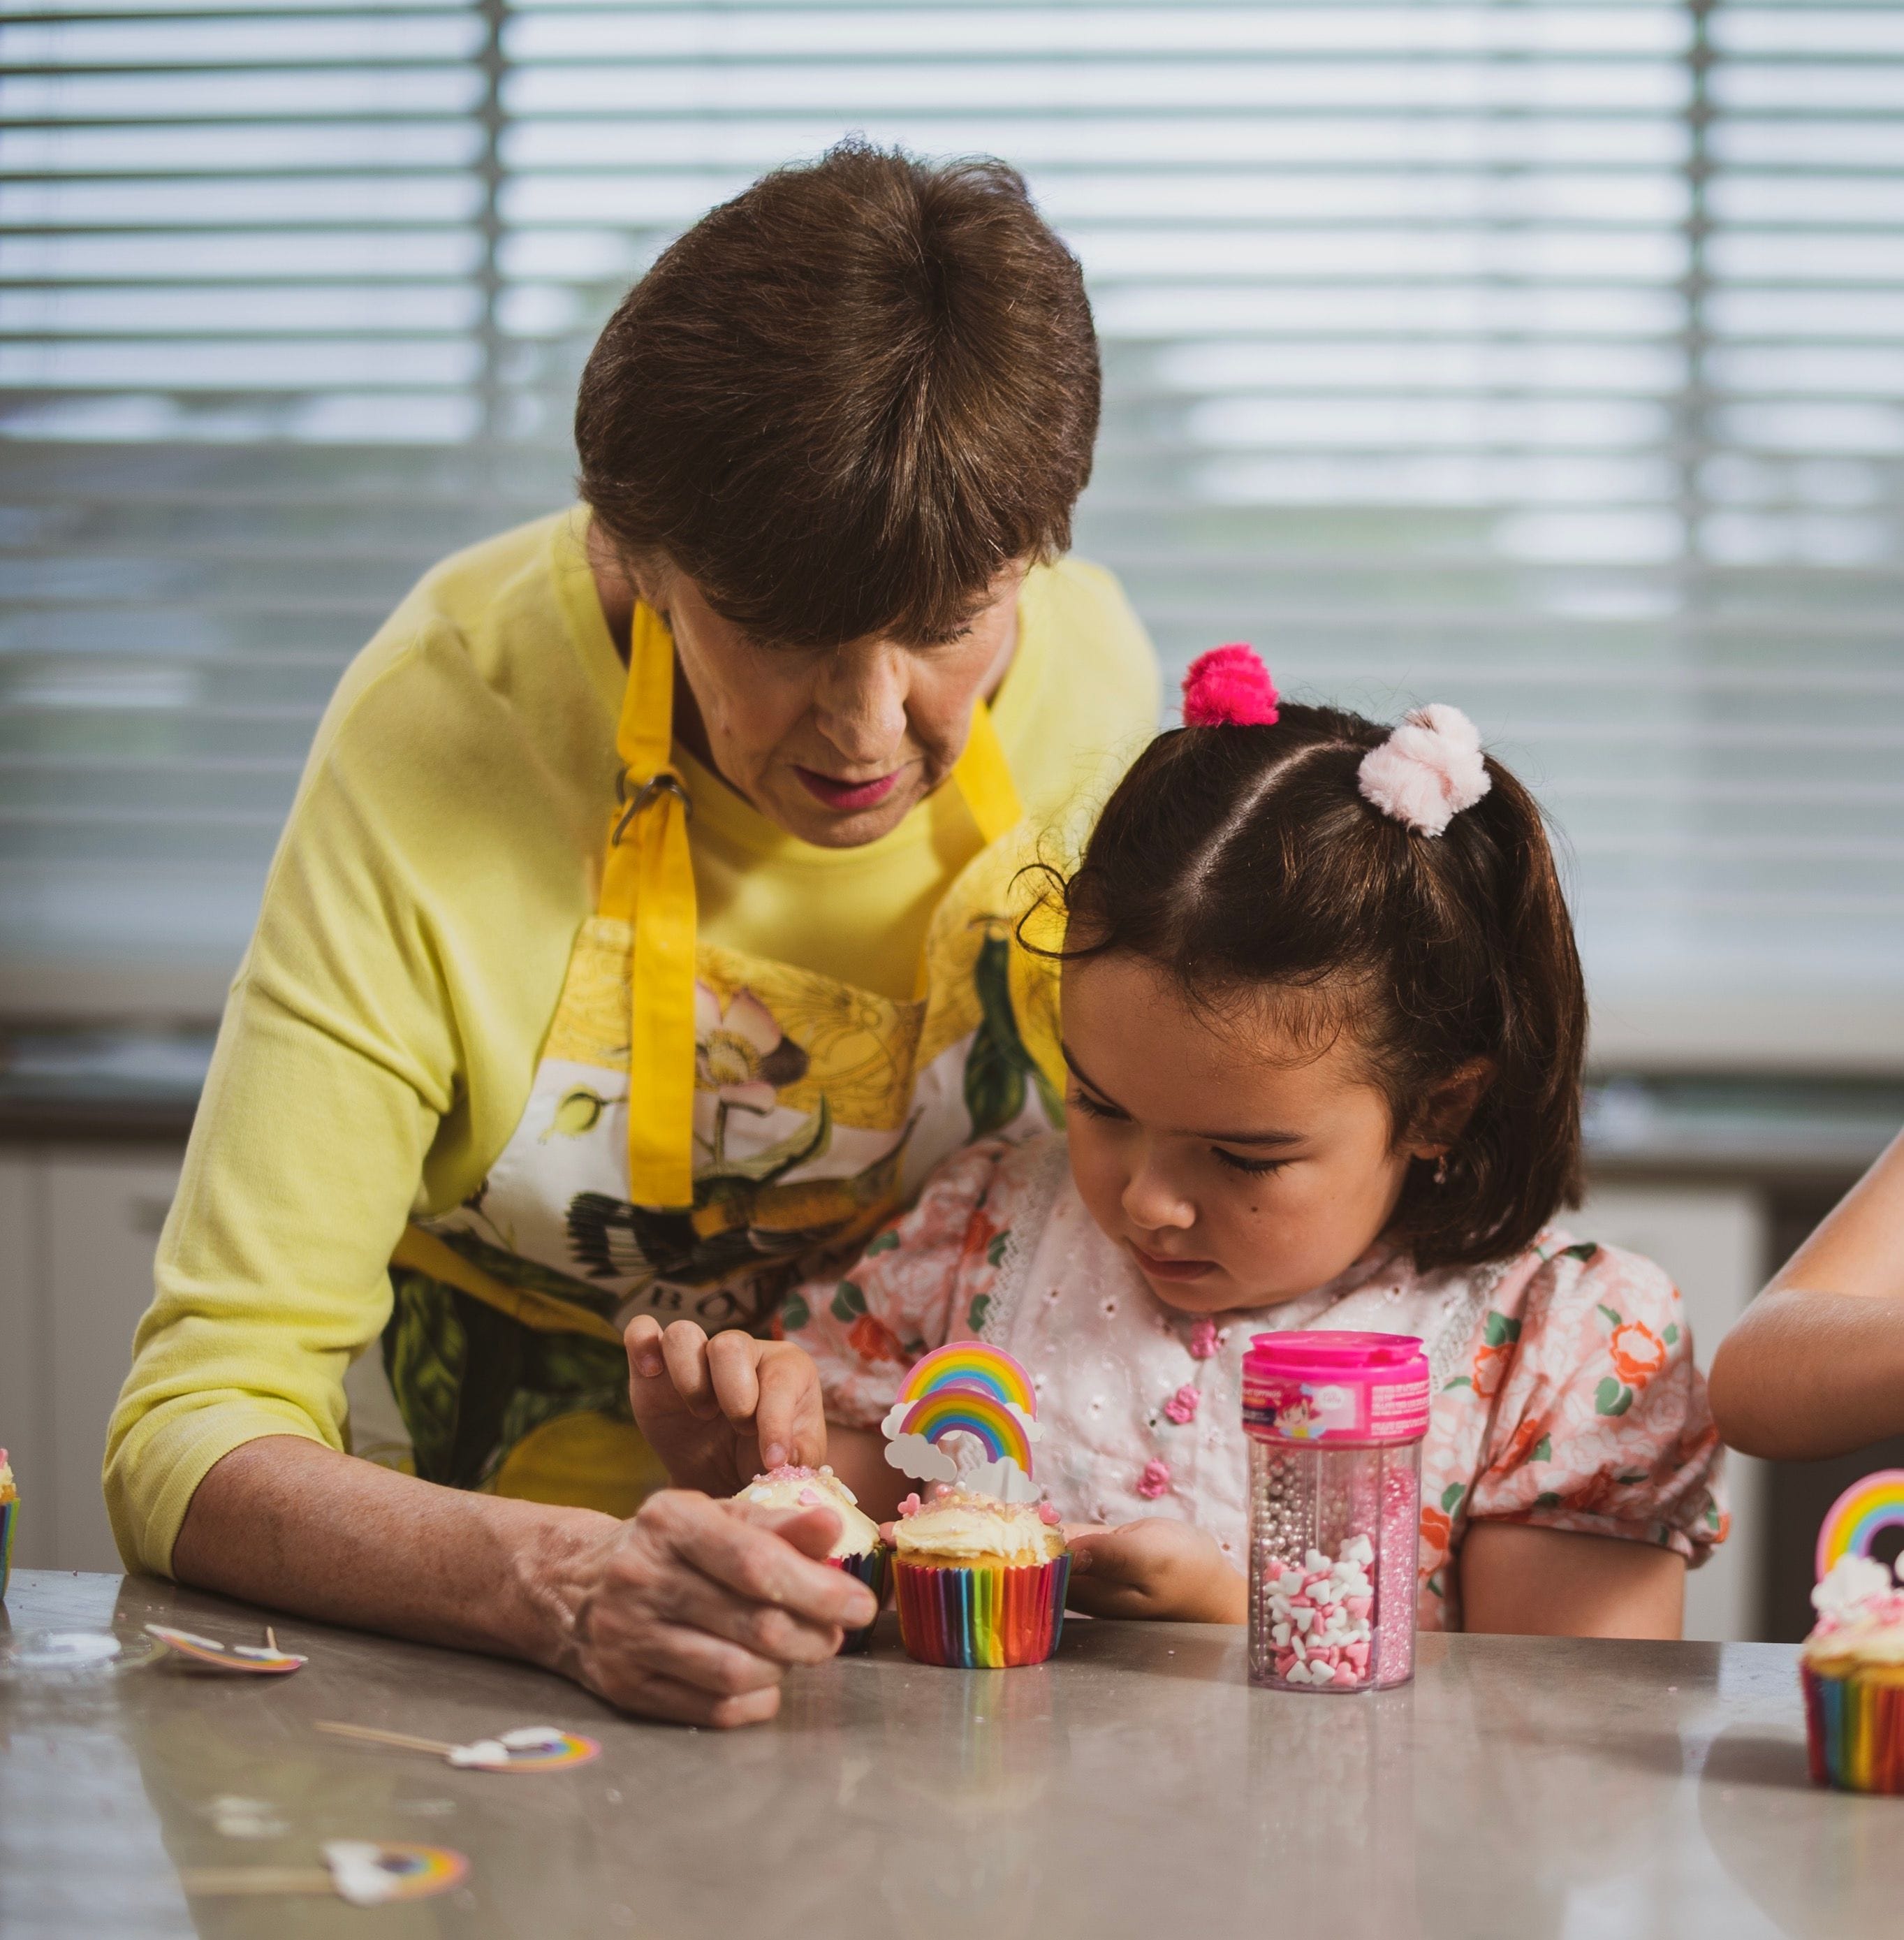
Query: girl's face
x,y
1238,1165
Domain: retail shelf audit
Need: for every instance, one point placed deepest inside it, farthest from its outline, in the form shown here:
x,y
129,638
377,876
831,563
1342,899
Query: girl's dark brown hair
x,y
1245,862
844,402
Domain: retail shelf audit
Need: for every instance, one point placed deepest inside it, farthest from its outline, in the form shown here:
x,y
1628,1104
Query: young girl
x,y
1324,1022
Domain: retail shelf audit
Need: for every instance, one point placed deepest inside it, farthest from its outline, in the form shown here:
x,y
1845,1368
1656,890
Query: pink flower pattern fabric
x,y
1567,1394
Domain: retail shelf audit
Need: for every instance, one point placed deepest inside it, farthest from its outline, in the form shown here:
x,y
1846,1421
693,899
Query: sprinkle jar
x,y
1335,1422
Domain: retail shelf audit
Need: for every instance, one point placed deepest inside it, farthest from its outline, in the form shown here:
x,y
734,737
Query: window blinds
x,y
1545,358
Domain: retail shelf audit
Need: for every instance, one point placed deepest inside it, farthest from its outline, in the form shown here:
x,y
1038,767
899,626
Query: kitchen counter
x,y
1135,1786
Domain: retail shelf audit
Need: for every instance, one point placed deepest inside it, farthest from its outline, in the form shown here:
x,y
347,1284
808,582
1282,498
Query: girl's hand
x,y
1156,1567
718,1412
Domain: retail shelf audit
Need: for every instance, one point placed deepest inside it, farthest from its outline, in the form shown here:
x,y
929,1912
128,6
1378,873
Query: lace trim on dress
x,y
1029,1217
1453,1326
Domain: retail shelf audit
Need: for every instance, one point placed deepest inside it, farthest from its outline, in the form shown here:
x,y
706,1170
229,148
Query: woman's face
x,y
1237,1165
835,745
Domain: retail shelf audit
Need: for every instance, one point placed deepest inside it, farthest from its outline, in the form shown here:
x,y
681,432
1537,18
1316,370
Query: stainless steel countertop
x,y
1134,1785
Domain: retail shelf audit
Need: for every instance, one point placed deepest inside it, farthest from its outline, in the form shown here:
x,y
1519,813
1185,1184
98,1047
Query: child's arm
x,y
1815,1367
1596,1480
858,1456
1157,1567
1548,1582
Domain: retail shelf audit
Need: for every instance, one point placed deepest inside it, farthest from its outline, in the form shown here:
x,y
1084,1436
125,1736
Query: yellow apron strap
x,y
547,1313
984,779
648,880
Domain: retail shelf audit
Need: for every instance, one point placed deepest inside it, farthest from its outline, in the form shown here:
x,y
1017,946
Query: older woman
x,y
639,933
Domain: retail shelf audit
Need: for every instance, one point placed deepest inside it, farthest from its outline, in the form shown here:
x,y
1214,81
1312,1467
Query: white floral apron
x,y
772,1115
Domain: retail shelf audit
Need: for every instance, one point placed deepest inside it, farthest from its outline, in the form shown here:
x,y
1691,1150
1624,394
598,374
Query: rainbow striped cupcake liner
x,y
1854,1729
870,1568
7,1520
989,1618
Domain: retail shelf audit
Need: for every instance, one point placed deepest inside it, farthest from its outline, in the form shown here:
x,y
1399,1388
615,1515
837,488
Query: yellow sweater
x,y
384,1028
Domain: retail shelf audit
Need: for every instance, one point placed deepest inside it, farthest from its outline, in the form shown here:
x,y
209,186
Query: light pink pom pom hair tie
x,y
1229,687
1428,770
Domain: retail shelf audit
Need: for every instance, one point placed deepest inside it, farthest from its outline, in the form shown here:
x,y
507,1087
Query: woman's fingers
x,y
684,1350
790,1422
698,1603
762,1561
679,1703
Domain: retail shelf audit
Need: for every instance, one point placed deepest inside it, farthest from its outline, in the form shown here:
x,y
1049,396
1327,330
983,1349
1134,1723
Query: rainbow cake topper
x,y
971,1364
1862,1514
999,1430
969,1388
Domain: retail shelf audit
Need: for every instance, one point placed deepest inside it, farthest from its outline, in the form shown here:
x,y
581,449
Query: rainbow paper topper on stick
x,y
972,1389
971,1364
1860,1516
1000,1431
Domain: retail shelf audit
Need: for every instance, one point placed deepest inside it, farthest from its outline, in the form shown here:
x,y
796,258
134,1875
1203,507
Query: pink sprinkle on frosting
x,y
912,1505
1229,687
1048,1515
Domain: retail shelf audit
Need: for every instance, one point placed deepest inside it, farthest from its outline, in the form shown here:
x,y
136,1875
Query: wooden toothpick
x,y
220,1880
398,1740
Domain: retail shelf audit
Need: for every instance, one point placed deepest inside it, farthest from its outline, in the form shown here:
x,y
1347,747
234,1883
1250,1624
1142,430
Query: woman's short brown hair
x,y
843,403
1245,862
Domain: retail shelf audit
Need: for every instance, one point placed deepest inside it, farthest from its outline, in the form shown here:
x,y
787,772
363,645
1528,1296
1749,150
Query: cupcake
x,y
979,1582
859,1551
9,1498
1853,1668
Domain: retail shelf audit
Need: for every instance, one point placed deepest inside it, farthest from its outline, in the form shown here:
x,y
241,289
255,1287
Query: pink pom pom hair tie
x,y
1229,687
1428,770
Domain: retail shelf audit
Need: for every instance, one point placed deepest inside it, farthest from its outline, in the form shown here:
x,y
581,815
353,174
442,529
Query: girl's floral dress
x,y
1565,1394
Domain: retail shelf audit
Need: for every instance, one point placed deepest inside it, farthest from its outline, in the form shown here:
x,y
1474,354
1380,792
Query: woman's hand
x,y
1156,1567
719,1411
693,1610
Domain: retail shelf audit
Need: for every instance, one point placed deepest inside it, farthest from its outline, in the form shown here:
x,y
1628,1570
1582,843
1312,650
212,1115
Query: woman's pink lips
x,y
1173,1269
847,795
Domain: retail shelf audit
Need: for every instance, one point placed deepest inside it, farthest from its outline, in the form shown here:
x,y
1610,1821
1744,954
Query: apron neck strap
x,y
648,880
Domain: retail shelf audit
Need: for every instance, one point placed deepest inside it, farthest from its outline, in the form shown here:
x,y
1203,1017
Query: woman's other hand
x,y
1155,1567
719,1411
693,1610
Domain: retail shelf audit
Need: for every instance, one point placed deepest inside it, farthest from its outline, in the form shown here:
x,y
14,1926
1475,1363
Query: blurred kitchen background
x,y
1545,358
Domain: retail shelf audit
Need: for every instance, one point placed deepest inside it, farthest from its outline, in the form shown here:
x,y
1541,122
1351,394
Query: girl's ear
x,y
1444,1113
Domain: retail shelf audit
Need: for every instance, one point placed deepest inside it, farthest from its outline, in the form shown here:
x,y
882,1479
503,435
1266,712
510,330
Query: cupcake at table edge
x,y
859,1551
9,1497
1853,1668
979,1582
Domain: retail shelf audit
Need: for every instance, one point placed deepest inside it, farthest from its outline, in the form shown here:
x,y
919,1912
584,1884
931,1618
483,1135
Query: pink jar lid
x,y
1333,1386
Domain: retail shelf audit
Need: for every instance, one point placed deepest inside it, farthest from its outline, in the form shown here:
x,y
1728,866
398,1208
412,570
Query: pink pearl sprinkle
x,y
1155,1481
1181,1407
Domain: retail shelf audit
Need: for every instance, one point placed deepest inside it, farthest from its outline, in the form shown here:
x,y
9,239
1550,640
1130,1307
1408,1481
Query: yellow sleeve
x,y
377,1048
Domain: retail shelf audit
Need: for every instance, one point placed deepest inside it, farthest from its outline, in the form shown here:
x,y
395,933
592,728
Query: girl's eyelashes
x,y
1093,1108
1254,1166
